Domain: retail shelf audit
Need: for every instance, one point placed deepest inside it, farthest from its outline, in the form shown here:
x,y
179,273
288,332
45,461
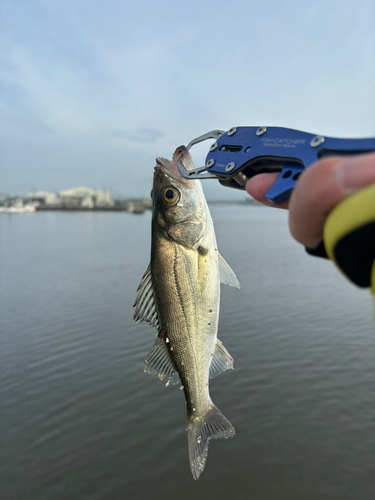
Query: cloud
x,y
87,88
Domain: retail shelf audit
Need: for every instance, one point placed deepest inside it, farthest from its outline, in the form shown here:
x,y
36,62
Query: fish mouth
x,y
170,168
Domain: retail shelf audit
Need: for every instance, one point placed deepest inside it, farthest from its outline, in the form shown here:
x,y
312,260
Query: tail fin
x,y
200,430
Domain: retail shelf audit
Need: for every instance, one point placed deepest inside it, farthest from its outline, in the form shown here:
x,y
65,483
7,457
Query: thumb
x,y
320,188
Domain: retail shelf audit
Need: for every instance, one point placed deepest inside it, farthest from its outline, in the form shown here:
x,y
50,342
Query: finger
x,y
320,188
258,185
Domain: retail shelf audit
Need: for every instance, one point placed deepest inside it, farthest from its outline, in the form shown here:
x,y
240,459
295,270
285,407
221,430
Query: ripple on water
x,y
82,419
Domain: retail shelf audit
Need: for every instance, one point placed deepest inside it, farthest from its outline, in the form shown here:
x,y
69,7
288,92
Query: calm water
x,y
79,418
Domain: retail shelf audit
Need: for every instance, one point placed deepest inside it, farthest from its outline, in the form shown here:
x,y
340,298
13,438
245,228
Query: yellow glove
x,y
349,237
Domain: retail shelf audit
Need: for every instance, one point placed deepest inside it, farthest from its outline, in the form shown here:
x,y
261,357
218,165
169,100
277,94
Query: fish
x,y
179,295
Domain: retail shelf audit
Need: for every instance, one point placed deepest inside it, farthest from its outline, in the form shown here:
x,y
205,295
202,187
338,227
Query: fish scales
x,y
189,315
179,295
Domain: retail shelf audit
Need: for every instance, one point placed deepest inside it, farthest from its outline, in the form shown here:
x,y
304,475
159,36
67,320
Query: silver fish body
x,y
180,295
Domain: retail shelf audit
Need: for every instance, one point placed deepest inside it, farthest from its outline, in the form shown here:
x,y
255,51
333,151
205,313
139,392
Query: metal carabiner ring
x,y
197,172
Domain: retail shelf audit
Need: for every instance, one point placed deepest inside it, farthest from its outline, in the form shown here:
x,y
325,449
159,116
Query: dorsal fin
x,y
145,304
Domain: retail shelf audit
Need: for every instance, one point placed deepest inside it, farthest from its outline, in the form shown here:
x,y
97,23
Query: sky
x,y
92,91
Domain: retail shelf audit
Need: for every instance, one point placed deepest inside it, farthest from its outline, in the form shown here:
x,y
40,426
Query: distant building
x,y
44,197
85,197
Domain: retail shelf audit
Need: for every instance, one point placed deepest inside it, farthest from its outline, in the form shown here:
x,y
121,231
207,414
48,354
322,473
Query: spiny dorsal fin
x,y
227,275
145,304
159,363
221,360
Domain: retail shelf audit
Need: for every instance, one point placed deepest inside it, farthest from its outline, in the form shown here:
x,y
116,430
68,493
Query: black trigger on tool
x,y
355,253
319,251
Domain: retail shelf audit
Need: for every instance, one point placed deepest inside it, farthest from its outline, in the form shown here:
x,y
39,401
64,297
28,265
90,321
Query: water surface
x,y
81,420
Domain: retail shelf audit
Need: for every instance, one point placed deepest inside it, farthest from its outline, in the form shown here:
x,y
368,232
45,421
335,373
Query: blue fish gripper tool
x,y
242,152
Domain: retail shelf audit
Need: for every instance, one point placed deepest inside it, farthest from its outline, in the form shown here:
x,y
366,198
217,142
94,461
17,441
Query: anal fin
x,y
221,360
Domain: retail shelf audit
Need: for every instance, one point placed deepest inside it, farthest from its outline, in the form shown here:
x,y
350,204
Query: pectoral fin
x,y
227,275
145,304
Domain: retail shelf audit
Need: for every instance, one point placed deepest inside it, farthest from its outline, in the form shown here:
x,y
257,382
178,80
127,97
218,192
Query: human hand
x,y
319,189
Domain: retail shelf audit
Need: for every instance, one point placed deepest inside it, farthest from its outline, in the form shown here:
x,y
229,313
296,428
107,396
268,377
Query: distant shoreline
x,y
134,208
45,208
82,209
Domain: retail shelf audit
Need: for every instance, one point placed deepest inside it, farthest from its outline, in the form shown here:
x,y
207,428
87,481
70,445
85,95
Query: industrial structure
x,y
79,197
85,197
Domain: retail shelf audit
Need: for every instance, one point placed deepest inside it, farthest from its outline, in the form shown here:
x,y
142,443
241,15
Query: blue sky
x,y
92,91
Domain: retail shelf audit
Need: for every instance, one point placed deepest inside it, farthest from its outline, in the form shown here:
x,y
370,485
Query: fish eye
x,y
170,196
